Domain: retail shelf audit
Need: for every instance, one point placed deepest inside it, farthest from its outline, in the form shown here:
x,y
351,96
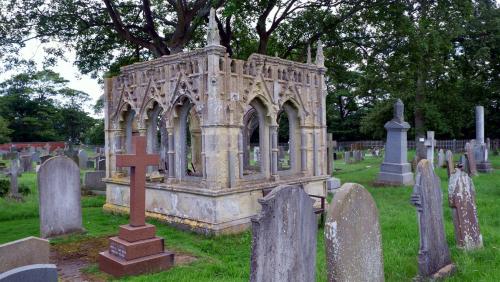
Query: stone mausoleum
x,y
226,131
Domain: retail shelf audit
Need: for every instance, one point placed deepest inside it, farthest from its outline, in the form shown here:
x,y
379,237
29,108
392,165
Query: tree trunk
x,y
419,115
264,40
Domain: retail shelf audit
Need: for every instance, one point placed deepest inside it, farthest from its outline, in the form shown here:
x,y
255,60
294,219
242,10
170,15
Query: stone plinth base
x,y
392,174
484,167
135,251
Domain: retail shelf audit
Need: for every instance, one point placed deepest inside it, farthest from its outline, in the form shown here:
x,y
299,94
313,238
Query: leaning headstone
x,y
59,199
352,236
462,200
471,159
433,256
284,237
26,251
441,158
31,273
395,170
82,159
450,165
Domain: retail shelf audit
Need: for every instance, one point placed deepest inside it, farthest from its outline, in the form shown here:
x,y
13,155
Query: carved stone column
x,y
171,153
274,151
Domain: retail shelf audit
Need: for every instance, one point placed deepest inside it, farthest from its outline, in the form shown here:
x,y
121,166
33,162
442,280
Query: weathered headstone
x,y
31,273
136,249
352,236
441,158
464,164
92,180
26,251
433,256
26,163
395,170
450,165
82,159
59,199
471,160
13,173
462,200
284,237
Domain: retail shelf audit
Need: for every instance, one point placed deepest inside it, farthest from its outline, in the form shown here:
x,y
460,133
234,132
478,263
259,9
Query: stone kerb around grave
x,y
59,197
352,236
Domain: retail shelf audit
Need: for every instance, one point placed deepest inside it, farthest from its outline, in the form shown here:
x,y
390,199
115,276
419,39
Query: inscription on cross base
x,y
138,163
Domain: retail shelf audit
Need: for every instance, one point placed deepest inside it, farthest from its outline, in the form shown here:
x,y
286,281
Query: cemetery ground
x,y
227,258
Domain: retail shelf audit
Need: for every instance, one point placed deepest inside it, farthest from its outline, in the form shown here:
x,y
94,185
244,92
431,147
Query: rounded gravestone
x,y
352,236
59,197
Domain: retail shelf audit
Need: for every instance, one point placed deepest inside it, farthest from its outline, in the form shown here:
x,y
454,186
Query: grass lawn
x,y
227,258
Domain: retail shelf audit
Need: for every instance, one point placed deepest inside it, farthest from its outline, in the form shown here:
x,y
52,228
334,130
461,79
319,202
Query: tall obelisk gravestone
x,y
136,249
480,148
395,170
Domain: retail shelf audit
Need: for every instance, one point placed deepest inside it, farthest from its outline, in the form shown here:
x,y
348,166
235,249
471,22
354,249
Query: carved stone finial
x,y
213,37
399,109
320,58
308,54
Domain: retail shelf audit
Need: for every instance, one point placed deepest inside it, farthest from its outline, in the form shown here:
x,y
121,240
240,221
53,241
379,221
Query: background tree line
x,y
38,106
440,57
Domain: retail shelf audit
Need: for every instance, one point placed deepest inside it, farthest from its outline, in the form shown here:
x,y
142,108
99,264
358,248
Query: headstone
x,y
332,183
92,180
481,148
82,159
136,249
90,164
433,256
45,158
256,154
395,170
31,273
347,157
462,200
35,157
284,237
441,158
464,164
450,165
352,236
59,197
26,251
101,164
430,143
13,173
26,163
471,160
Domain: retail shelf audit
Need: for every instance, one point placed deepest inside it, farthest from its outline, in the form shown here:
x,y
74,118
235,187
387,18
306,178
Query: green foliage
x,y
4,131
95,135
4,187
37,106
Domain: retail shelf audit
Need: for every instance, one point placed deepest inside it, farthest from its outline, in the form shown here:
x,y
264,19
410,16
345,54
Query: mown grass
x,y
227,258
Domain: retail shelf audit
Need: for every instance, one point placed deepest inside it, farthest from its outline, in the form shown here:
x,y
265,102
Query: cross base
x,y
135,250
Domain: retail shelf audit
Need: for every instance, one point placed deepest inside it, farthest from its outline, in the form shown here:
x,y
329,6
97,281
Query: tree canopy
x,y
440,57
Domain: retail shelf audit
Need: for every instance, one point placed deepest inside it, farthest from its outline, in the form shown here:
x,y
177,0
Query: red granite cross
x,y
138,164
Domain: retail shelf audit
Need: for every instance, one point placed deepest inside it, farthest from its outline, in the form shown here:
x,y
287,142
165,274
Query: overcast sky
x,y
66,69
